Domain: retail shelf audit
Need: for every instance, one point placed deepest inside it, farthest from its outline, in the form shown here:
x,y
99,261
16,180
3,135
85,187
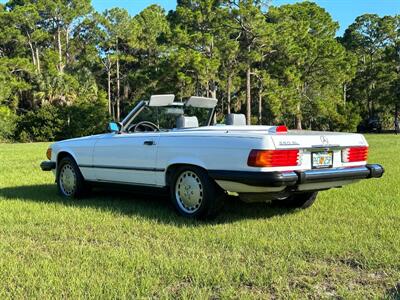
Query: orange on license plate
x,y
322,160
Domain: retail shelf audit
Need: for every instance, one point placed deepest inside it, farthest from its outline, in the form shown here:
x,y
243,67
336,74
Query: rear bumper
x,y
293,178
47,165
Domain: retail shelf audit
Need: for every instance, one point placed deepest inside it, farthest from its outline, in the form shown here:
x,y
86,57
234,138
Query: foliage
x,y
7,123
42,124
85,118
50,122
375,42
310,64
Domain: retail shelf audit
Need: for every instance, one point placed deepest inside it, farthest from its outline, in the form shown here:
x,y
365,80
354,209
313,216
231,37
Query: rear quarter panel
x,y
230,151
210,152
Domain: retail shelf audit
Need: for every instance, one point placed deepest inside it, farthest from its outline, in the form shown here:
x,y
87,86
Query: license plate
x,y
322,160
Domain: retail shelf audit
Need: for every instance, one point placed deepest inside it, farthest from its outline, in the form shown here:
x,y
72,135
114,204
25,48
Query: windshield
x,y
165,117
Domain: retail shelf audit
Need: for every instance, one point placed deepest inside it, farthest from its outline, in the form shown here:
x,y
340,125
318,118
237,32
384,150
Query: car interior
x,y
187,122
192,121
162,113
235,119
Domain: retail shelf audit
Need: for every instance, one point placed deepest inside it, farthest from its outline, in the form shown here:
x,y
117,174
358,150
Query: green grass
x,y
125,245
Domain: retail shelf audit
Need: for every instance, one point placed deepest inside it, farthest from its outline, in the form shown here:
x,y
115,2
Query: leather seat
x,y
187,122
235,119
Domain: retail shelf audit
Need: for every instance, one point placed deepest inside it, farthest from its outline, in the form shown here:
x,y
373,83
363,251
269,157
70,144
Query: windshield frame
x,y
135,112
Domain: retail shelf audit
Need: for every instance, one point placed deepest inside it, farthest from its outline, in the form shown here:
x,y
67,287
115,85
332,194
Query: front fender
x,y
67,150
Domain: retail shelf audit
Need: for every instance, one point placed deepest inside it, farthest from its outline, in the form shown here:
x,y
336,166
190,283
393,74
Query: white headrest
x,y
187,122
202,102
161,100
235,119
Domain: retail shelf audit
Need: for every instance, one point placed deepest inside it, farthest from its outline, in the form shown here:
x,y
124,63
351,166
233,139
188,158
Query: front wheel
x,y
194,194
302,200
70,182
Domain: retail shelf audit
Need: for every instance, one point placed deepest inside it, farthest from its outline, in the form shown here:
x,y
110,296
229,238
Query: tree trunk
x,y
214,95
222,105
59,46
260,107
228,88
298,118
118,86
38,60
32,49
248,96
32,52
109,90
67,46
126,90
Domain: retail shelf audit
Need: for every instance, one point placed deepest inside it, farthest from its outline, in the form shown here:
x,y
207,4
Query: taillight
x,y
281,129
273,158
278,129
354,154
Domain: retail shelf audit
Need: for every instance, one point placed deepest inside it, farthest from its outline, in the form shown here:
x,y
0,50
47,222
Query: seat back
x,y
235,119
187,122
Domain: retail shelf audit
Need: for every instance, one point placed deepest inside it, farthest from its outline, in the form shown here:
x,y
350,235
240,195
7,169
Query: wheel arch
x,y
64,153
171,169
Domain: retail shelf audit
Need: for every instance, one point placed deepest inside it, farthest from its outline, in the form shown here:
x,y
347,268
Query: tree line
x,y
66,69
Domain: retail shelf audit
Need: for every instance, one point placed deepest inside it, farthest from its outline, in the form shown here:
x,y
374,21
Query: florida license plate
x,y
322,160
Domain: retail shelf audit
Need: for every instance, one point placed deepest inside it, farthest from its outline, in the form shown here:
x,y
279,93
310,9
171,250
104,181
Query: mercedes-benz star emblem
x,y
324,140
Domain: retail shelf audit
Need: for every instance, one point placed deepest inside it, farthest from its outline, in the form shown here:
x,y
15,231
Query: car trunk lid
x,y
301,139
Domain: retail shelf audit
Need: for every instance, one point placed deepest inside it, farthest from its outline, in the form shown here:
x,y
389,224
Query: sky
x,y
343,11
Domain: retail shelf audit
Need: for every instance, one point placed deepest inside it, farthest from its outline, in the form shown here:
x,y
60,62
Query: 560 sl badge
x,y
286,143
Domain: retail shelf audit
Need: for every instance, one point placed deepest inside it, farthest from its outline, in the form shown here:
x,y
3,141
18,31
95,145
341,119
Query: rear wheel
x,y
70,182
302,201
194,194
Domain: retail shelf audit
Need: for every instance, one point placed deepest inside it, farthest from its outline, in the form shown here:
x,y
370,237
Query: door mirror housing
x,y
113,127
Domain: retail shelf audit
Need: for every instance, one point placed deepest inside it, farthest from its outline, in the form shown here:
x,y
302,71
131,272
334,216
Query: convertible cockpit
x,y
162,113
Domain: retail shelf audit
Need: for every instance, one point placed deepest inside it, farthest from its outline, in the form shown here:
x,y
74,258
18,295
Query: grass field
x,y
120,245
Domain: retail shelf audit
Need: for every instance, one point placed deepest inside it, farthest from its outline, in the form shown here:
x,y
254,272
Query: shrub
x,y
7,123
43,124
50,122
84,118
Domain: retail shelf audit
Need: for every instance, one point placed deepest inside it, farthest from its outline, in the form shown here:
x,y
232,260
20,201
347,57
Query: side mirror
x,y
113,127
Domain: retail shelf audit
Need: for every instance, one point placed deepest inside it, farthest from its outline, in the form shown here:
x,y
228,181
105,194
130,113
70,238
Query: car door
x,y
126,158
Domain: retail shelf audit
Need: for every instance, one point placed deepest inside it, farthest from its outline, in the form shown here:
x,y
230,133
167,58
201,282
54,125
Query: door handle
x,y
149,143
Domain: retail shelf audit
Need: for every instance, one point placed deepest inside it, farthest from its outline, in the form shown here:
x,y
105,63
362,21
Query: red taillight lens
x,y
281,129
273,158
354,154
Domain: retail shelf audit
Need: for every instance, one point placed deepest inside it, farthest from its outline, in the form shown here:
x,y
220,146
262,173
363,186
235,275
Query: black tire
x,y
212,196
79,189
302,200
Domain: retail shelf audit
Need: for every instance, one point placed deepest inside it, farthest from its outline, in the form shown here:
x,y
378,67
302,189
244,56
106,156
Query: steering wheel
x,y
144,126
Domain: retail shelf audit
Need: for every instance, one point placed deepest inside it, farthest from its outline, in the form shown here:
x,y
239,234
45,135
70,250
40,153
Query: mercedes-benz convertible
x,y
176,146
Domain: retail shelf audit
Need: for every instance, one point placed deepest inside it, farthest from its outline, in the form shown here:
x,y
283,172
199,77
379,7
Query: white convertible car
x,y
175,145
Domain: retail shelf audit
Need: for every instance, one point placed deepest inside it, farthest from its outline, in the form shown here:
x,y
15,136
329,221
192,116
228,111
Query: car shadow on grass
x,y
393,293
151,205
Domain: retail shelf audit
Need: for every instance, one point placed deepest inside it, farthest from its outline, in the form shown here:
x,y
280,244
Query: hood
x,y
96,136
